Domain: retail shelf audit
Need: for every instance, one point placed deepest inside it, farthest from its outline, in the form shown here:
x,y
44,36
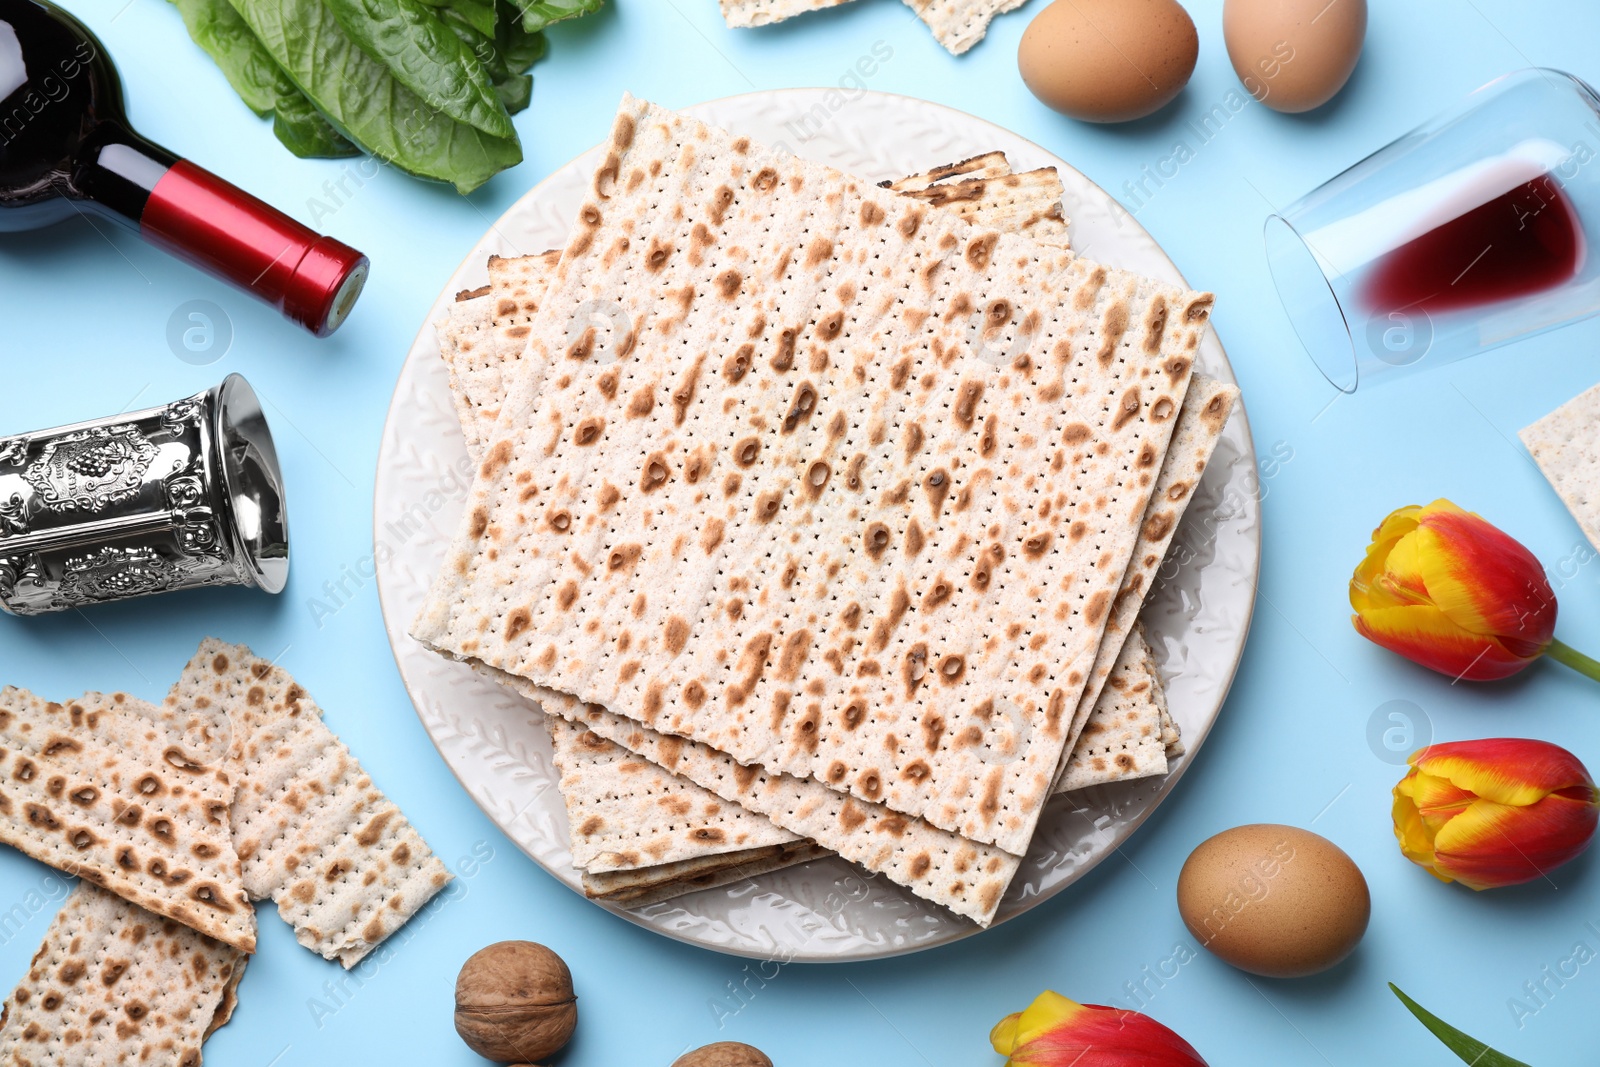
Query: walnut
x,y
514,1002
724,1054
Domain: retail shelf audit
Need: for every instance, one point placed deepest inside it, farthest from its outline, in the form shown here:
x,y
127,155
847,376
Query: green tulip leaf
x,y
1470,1049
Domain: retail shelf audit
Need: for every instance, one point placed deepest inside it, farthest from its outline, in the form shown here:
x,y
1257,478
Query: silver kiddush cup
x,y
174,497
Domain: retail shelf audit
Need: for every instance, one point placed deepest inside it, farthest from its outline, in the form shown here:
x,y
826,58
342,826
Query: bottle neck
x,y
116,170
203,220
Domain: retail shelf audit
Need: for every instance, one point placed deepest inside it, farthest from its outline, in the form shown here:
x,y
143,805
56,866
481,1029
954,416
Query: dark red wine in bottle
x,y
1523,242
66,149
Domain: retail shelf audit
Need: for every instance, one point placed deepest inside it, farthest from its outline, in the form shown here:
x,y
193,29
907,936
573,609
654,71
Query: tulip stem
x,y
1565,654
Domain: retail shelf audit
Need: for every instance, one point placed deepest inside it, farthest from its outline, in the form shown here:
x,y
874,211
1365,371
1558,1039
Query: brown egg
x,y
1274,900
1108,60
1294,55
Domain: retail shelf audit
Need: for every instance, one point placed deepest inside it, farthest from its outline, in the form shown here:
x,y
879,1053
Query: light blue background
x,y
83,318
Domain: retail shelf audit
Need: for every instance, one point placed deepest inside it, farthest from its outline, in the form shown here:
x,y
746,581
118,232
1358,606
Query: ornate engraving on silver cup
x,y
183,495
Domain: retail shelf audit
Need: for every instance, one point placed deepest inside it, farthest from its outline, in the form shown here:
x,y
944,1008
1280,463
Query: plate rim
x,y
963,933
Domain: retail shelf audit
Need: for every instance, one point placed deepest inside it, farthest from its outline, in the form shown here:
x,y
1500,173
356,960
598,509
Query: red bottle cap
x,y
198,217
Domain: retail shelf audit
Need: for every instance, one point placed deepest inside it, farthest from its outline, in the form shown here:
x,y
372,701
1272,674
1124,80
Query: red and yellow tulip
x,y
1057,1032
1445,588
1495,812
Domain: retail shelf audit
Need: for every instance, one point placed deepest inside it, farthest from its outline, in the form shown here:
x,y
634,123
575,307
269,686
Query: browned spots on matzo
x,y
913,668
499,456
656,472
1095,610
980,250
1112,329
793,655
783,358
817,476
728,283
768,505
622,133
711,535
623,556
766,179
966,405
801,406
938,592
567,595
913,439
655,258
914,538
588,431
676,634
721,201
683,395
517,623
937,486
871,214
1155,323
736,366
1128,409
899,604
479,522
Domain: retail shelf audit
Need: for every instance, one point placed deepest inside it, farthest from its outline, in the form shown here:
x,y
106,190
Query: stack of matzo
x,y
176,817
842,513
956,24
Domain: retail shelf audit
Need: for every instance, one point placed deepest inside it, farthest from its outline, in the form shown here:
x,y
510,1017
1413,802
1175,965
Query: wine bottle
x,y
66,149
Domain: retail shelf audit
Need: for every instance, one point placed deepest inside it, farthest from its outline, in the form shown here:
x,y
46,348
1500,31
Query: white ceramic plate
x,y
495,743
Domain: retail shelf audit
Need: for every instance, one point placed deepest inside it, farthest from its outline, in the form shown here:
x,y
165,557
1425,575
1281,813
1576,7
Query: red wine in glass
x,y
66,149
1522,242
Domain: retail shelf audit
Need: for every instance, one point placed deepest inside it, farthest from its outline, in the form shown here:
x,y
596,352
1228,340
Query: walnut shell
x,y
514,1002
724,1054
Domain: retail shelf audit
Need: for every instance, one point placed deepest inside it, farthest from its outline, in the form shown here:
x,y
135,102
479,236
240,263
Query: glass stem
x,y
1565,654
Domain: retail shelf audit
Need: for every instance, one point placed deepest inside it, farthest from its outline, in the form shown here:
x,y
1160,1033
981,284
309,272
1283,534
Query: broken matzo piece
x,y
130,797
1124,738
114,984
960,24
741,14
879,436
1028,203
988,165
1566,446
342,863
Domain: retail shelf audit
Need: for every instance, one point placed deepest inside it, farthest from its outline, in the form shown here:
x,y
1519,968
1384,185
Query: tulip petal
x,y
1107,1037
1424,634
1416,841
1506,770
1437,800
1004,1035
1048,1011
1484,580
1491,844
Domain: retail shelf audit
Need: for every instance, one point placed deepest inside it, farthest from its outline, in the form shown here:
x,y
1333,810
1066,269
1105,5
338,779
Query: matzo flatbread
x,y
960,24
967,877
1124,738
885,462
741,14
1566,446
652,885
129,797
484,332
1028,203
988,165
1205,411
342,863
626,812
114,985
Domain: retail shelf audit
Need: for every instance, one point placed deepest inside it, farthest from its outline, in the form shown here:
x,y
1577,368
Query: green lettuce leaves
x,y
428,86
